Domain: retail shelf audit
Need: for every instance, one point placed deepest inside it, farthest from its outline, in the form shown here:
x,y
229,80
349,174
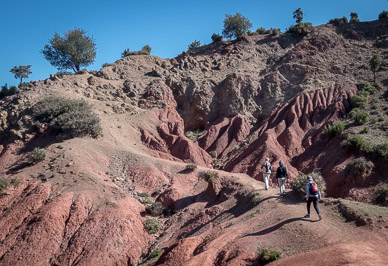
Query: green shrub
x,y
381,150
208,176
256,197
156,253
261,30
4,184
155,209
5,91
359,101
381,118
373,120
355,142
299,183
69,117
235,25
146,49
267,255
383,14
359,167
274,31
191,167
142,194
194,44
339,21
216,37
365,130
384,126
36,156
354,17
382,196
335,129
360,117
366,86
151,226
301,29
60,74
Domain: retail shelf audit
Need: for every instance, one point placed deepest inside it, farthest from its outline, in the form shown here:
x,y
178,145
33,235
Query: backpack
x,y
267,168
313,189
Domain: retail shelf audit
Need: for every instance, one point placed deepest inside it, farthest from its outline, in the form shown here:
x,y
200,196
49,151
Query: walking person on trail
x,y
267,169
282,176
313,194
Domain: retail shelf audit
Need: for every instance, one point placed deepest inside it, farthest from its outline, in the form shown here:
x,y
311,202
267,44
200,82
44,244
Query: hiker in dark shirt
x,y
282,176
312,196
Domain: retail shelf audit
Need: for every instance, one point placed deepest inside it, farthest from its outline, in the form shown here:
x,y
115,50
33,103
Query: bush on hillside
x,y
216,37
194,44
354,18
36,156
383,14
73,118
267,255
299,183
359,100
381,150
335,129
360,117
382,196
235,25
5,91
155,209
4,184
356,143
301,29
190,167
359,168
208,176
151,226
261,30
339,21
367,87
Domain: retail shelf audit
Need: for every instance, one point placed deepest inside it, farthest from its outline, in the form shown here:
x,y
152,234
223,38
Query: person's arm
x,y
307,190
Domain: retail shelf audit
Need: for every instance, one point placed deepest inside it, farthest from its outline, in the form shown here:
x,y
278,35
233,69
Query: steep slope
x,y
291,130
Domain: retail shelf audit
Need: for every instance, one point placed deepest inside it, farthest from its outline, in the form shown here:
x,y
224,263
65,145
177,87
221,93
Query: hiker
x,y
313,194
267,169
282,175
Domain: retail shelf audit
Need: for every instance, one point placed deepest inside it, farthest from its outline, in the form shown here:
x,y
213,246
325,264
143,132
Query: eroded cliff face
x,y
256,97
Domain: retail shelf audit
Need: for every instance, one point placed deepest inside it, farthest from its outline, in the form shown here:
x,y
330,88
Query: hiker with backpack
x,y
313,194
282,176
266,167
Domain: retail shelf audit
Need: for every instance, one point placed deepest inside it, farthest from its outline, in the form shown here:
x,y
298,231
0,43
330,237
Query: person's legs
x,y
308,207
265,176
281,185
315,202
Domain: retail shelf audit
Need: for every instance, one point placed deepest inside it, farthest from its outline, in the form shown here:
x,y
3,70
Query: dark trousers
x,y
315,202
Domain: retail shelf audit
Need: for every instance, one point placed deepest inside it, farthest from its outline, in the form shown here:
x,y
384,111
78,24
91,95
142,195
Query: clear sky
x,y
168,26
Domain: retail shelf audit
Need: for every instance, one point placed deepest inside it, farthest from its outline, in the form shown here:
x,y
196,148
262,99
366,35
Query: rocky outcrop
x,y
290,132
41,228
170,130
224,135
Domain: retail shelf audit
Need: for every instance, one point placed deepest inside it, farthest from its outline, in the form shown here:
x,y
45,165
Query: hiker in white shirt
x,y
267,169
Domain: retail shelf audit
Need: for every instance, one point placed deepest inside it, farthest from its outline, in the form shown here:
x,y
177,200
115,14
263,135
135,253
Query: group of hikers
x,y
313,194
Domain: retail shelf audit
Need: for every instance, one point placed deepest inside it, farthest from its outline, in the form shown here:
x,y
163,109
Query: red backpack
x,y
313,188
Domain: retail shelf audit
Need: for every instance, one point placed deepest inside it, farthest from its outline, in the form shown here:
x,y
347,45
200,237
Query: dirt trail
x,y
229,236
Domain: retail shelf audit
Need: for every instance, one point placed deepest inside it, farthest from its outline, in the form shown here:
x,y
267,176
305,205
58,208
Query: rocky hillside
x,y
146,184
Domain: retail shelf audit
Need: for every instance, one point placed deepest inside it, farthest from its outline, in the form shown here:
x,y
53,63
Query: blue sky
x,y
168,26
